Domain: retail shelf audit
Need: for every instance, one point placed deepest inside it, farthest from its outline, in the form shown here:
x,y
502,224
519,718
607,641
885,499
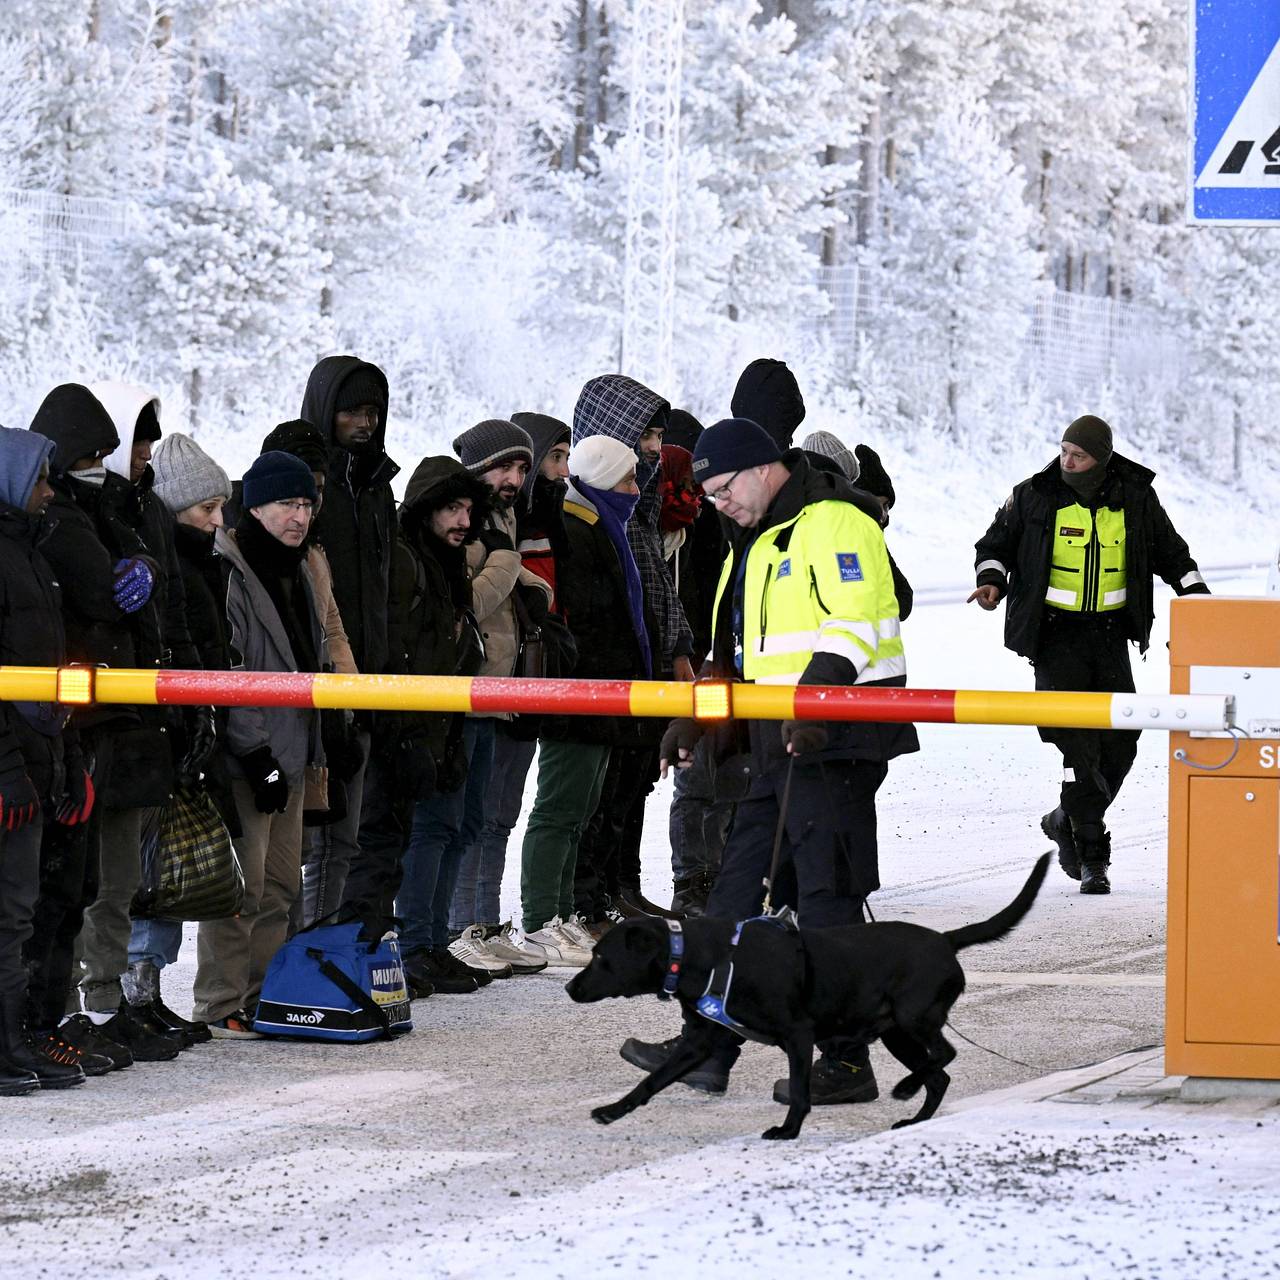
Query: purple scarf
x,y
615,510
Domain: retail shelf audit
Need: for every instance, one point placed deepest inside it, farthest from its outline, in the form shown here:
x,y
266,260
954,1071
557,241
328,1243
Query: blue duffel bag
x,y
329,982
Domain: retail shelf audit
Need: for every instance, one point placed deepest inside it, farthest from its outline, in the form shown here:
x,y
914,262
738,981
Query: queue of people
x,y
600,548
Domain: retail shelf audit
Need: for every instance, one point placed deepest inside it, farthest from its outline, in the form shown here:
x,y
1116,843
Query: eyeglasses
x,y
298,507
723,492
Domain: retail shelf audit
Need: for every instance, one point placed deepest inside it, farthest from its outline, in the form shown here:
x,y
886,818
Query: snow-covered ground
x,y
465,1149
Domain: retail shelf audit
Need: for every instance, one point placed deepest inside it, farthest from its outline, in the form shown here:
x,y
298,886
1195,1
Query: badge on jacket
x,y
784,568
850,567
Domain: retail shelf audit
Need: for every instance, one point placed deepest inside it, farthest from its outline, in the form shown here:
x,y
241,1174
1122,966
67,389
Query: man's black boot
x,y
1094,843
711,1077
691,893
145,1046
16,1078
19,1054
141,985
848,1078
1057,826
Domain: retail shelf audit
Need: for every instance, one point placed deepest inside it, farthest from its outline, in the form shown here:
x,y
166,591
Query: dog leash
x,y
777,836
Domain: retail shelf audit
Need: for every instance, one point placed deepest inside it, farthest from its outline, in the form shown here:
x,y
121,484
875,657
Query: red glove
x,y
78,804
19,803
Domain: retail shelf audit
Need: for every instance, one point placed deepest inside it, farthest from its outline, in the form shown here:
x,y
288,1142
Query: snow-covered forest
x,y
207,195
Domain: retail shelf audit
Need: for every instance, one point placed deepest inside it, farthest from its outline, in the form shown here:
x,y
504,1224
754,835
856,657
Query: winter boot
x,y
1094,842
18,1054
633,904
1057,826
15,1077
710,1077
125,1028
691,893
142,990
848,1078
417,977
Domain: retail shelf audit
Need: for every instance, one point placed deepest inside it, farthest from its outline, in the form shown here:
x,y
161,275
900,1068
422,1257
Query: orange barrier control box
x,y
1222,985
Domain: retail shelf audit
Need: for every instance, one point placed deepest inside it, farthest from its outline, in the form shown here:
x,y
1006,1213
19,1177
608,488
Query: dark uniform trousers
x,y
828,861
1088,655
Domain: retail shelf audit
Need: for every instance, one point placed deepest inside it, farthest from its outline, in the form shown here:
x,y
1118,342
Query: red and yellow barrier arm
x,y
707,700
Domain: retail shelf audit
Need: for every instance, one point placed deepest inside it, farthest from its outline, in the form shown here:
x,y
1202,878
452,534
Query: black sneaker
x,y
649,1055
58,1049
80,1032
148,1017
144,1046
834,1081
445,979
444,963
417,977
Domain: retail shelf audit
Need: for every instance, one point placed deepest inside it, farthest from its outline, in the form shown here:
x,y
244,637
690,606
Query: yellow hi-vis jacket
x,y
1087,569
818,583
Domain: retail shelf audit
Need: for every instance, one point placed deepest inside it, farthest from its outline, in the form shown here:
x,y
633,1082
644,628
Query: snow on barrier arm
x,y
709,700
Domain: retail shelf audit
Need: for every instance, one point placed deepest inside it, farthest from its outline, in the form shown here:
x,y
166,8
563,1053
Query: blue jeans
x,y
444,825
476,900
155,941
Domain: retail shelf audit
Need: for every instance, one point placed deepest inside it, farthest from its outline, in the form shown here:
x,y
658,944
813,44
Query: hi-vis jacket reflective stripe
x,y
1087,572
818,583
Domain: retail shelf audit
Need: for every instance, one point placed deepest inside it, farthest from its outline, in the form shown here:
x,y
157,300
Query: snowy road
x,y
467,1146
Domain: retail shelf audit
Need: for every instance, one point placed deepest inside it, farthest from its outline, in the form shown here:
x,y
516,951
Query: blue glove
x,y
134,581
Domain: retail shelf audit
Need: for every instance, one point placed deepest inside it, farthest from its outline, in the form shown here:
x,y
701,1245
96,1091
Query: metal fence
x,y
43,230
1074,341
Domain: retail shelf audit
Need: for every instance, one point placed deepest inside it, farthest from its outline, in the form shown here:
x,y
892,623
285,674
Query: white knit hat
x,y
601,461
185,474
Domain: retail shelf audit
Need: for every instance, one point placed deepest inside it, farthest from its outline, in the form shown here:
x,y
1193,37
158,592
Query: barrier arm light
x,y
76,686
712,700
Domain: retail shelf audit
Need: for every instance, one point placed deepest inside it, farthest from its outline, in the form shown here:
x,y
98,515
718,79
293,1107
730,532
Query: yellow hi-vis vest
x,y
819,583
1087,571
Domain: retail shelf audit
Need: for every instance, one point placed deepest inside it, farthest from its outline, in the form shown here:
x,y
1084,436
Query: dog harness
x,y
712,1004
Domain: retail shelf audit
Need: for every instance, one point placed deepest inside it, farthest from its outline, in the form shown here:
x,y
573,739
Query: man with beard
x,y
1074,548
346,399
499,454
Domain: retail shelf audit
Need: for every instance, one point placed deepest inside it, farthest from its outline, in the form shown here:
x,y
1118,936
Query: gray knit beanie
x,y
832,447
491,442
185,474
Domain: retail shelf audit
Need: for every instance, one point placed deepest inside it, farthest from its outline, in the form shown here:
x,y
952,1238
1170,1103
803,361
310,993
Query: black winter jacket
x,y
357,521
30,635
1015,552
592,595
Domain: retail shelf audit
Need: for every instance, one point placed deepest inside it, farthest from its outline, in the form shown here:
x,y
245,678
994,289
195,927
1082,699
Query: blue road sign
x,y
1235,112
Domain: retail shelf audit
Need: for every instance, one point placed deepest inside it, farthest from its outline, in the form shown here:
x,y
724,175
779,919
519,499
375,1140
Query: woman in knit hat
x,y
599,590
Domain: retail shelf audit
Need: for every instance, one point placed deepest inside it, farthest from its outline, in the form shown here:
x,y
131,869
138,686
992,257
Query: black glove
x,y
681,735
803,737
202,739
494,539
413,769
270,790
19,803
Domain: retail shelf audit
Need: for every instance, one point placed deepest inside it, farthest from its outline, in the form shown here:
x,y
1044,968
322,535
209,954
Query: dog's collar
x,y
675,959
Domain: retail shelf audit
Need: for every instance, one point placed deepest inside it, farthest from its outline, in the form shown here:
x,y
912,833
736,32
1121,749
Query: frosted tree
x,y
959,267
344,119
514,109
218,288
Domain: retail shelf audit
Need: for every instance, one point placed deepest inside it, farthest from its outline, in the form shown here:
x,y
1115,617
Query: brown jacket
x,y
340,655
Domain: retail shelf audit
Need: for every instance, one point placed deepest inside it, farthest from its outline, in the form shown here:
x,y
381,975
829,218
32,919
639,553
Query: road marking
x,y
991,977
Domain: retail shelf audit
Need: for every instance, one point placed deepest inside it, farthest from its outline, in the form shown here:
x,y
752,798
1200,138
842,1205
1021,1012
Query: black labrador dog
x,y
891,981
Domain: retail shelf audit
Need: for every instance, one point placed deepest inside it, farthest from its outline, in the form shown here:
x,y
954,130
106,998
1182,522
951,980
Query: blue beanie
x,y
277,477
732,444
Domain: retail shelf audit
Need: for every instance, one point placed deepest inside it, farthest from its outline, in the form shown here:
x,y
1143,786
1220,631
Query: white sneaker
x,y
470,948
577,932
559,949
519,955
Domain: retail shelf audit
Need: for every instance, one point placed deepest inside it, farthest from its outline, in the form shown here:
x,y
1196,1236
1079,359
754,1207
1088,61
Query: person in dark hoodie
x,y
433,633
806,597
112,616
346,400
769,395
42,779
540,540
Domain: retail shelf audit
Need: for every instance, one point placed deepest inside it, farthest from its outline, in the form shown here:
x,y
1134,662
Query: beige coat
x,y
340,655
494,575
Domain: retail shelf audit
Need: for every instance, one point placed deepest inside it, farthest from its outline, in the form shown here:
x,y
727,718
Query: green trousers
x,y
570,775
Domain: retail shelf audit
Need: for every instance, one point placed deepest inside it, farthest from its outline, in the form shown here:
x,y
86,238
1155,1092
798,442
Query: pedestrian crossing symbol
x,y
1248,153
1235,116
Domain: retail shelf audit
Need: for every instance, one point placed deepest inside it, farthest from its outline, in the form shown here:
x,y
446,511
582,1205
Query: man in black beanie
x,y
1074,548
346,400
